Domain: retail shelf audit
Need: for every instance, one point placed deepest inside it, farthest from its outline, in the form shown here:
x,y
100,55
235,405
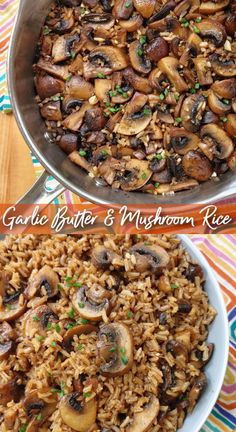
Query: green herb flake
x,y
130,314
70,326
166,92
198,20
127,5
60,391
82,153
35,318
40,338
55,98
39,417
100,75
87,395
69,78
112,93
224,119
112,349
81,305
124,359
226,101
140,52
178,119
197,86
158,156
193,91
82,10
84,321
23,428
196,30
104,152
80,347
162,96
71,313
9,307
59,287
46,30
146,111
157,185
73,54
49,326
174,286
144,175
177,96
57,328
54,344
143,39
114,109
122,350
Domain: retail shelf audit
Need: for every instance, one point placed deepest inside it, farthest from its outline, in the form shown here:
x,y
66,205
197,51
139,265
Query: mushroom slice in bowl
x,y
144,419
150,257
137,115
37,409
46,279
7,340
77,413
92,304
136,175
218,140
103,257
38,320
115,347
138,59
12,307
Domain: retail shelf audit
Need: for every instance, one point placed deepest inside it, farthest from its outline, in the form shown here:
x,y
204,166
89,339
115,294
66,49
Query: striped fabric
x,y
220,252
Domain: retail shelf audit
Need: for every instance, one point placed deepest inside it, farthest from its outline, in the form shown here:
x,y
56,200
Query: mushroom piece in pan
x,y
13,305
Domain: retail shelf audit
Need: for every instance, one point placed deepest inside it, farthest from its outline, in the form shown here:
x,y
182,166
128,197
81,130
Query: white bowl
x,y
219,335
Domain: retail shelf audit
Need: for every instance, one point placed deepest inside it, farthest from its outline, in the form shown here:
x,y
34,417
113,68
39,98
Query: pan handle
x,y
43,191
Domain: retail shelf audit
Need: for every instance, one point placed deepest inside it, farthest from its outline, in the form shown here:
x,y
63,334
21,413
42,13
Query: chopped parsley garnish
x,y
130,314
122,350
196,30
82,153
23,428
35,318
73,54
143,39
60,391
185,22
54,344
81,305
157,185
178,119
82,10
71,313
87,395
158,156
140,52
57,328
100,75
197,86
114,109
70,326
226,101
177,96
124,359
9,307
198,20
112,349
224,119
40,338
146,111
59,287
70,282
80,347
69,78
112,93
174,286
166,92
162,96
39,417
49,325
192,90
55,98
84,321
144,175
46,30
127,5
104,152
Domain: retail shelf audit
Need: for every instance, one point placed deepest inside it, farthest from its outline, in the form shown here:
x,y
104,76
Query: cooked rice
x,y
138,303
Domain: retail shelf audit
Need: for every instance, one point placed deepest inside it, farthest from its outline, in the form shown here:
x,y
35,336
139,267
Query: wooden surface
x,y
16,169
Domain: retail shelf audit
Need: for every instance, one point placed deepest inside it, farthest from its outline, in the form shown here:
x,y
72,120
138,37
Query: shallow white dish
x,y
219,335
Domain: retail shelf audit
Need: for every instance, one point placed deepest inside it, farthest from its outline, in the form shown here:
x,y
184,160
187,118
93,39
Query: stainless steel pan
x,y
24,39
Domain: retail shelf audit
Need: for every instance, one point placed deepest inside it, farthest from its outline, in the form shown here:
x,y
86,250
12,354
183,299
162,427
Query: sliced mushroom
x,y
77,413
70,103
217,105
218,140
102,88
51,111
115,346
138,59
132,24
157,49
140,84
145,7
64,46
136,175
37,321
13,308
203,69
136,117
223,68
90,309
163,11
45,278
94,119
204,359
74,121
103,257
11,390
143,420
37,409
192,112
211,7
182,141
196,391
213,31
104,20
177,348
169,66
7,340
78,87
112,57
150,258
64,23
182,185
197,166
225,89
76,331
230,24
47,86
60,72
230,125
122,9
76,158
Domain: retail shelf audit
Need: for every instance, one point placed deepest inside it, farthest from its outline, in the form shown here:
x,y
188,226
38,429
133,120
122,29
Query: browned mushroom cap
x,y
74,121
136,174
68,143
140,84
48,86
122,9
218,140
95,119
79,88
115,346
37,320
132,24
225,89
94,20
163,11
192,112
52,111
45,278
64,45
230,24
150,258
217,105
196,391
112,57
60,72
64,23
145,7
205,358
93,303
182,141
230,125
102,88
144,419
203,69
11,390
157,49
211,7
37,409
76,331
138,59
223,68
77,413
13,307
197,166
136,117
177,348
103,257
7,340
80,160
213,31
169,66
